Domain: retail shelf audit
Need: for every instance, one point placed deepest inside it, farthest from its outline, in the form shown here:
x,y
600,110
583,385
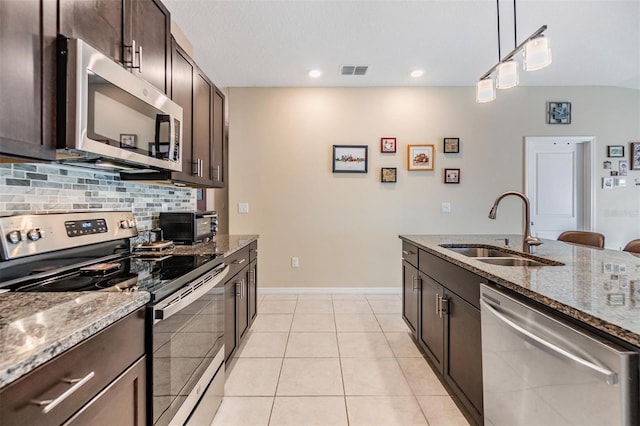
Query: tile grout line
x,y
275,392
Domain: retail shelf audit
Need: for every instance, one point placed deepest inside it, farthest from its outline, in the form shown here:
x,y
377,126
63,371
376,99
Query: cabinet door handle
x,y
239,262
139,54
49,404
438,304
201,168
218,172
416,282
239,289
194,168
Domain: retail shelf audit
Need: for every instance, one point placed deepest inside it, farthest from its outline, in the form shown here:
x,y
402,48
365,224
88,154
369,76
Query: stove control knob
x,y
14,237
34,234
124,224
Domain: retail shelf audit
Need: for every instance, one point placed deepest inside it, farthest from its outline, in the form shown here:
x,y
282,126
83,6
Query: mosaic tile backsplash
x,y
51,188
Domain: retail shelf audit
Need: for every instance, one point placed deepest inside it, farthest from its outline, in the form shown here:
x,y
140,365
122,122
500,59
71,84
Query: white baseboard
x,y
329,290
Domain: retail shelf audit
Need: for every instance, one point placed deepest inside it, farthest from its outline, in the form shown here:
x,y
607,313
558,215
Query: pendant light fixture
x,y
537,55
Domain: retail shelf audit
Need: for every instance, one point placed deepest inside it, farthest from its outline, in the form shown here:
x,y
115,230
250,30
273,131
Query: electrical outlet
x,y
446,208
243,208
295,262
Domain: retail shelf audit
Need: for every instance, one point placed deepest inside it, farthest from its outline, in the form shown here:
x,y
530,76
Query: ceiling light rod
x,y
518,48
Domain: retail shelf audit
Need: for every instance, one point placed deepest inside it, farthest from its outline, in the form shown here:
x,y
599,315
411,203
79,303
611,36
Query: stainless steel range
x,y
91,251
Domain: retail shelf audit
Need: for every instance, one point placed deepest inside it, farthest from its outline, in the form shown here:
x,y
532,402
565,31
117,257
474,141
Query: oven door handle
x,y
188,295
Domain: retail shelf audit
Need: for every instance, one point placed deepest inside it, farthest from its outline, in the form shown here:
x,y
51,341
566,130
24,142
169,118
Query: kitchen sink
x,y
480,251
512,261
499,256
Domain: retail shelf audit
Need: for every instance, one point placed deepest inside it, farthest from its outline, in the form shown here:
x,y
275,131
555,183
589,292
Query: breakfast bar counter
x,y
597,287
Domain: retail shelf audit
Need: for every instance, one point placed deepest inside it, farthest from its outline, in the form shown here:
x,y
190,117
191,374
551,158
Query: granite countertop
x,y
220,244
35,327
597,287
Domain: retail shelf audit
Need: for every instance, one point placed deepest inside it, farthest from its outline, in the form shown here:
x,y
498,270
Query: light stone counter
x,y
221,244
597,287
36,327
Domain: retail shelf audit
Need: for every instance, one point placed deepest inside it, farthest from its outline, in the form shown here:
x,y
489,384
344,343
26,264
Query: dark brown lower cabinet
x,y
230,325
253,291
432,321
464,361
410,296
108,371
448,326
121,403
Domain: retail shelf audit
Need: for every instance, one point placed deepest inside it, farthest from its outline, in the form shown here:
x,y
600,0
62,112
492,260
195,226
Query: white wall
x,y
344,227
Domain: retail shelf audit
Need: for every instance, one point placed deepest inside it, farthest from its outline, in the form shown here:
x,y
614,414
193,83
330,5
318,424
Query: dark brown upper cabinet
x,y
27,79
202,122
136,33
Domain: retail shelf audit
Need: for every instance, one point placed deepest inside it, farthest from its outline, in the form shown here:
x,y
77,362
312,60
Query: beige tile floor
x,y
342,359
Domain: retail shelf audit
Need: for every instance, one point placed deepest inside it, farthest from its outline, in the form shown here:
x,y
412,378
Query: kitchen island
x,y
600,288
595,290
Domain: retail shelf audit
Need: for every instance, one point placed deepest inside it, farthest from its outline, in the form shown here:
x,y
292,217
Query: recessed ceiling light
x,y
315,73
416,73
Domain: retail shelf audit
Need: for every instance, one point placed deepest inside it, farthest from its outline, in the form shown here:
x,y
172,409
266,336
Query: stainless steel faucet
x,y
528,241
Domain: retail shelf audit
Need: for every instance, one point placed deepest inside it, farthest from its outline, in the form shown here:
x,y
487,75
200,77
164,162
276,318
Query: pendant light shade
x,y
507,75
537,54
485,90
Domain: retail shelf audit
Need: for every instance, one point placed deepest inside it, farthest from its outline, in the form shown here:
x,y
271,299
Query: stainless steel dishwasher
x,y
540,370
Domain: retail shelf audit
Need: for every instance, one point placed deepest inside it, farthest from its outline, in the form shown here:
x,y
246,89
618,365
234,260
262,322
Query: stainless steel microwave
x,y
105,112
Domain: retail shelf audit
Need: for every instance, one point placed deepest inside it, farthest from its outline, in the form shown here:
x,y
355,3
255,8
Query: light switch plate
x,y
243,208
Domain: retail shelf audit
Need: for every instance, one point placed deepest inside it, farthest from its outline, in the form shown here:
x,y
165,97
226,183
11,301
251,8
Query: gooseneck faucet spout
x,y
527,240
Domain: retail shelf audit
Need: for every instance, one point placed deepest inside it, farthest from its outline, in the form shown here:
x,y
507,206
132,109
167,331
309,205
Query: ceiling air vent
x,y
354,69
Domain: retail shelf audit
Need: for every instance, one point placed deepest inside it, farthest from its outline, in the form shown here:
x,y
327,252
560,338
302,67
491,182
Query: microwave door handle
x,y
610,377
172,137
173,308
208,215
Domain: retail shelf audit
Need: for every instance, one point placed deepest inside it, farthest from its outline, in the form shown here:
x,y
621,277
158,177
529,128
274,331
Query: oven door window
x,y
184,345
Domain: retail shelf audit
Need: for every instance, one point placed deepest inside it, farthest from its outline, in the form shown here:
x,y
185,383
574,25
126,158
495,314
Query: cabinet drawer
x,y
464,283
410,253
107,354
237,261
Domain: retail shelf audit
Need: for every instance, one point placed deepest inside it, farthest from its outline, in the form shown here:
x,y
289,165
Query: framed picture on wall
x,y
559,112
451,145
615,151
350,158
388,145
128,141
451,175
420,157
635,156
389,174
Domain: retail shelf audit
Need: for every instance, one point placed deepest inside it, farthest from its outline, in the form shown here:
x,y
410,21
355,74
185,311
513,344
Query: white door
x,y
558,184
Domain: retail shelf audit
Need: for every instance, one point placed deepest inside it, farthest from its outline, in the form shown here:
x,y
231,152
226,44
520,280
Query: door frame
x,y
589,158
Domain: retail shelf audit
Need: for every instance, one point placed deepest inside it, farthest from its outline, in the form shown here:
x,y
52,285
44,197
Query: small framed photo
x,y
350,158
451,145
451,175
387,145
162,152
389,174
559,112
420,157
615,151
607,182
635,156
615,299
623,167
128,140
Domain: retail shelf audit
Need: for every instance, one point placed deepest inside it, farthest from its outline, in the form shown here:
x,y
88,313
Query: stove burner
x,y
66,284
